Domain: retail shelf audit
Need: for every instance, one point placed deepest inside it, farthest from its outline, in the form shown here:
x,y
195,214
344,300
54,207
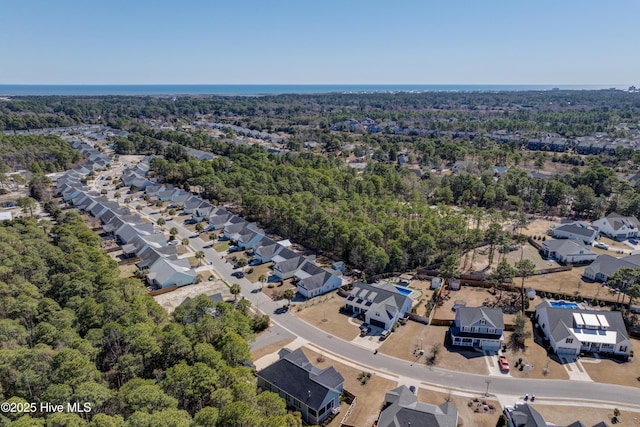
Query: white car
x,y
601,245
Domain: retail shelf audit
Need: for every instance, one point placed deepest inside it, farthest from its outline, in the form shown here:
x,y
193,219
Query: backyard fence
x,y
163,290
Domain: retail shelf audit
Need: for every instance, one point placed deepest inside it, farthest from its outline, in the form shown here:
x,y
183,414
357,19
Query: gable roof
x,y
618,221
607,265
383,296
566,247
164,268
578,228
295,375
468,316
563,320
150,255
404,409
312,276
523,415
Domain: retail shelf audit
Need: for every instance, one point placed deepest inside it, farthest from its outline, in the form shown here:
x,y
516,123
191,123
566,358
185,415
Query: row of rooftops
x,y
138,238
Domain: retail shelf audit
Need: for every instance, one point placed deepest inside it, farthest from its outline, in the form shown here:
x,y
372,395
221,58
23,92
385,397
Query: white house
x,y
571,330
478,327
314,281
618,227
382,304
605,265
286,263
576,231
171,271
568,251
265,250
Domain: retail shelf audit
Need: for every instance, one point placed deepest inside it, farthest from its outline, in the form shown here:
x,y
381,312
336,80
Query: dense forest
x,y
72,331
37,153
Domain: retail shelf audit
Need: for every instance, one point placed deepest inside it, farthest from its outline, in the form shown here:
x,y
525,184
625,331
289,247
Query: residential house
x,y
140,243
576,231
618,227
112,226
191,204
154,190
305,388
128,232
171,271
265,250
286,263
382,304
219,218
314,280
234,225
113,213
568,251
605,265
403,409
572,330
150,255
248,236
523,415
203,212
179,197
478,327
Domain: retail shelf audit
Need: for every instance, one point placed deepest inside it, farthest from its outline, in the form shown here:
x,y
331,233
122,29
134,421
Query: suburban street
x,y
546,389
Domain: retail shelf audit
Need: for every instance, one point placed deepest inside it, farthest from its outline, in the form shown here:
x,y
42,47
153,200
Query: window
x,y
623,348
569,340
482,321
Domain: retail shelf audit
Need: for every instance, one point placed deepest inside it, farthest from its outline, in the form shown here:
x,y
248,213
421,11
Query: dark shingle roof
x,y
298,378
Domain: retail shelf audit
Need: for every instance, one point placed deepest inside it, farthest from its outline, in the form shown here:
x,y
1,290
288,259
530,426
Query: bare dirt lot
x,y
411,337
537,363
481,259
324,313
613,371
171,300
466,415
370,396
565,415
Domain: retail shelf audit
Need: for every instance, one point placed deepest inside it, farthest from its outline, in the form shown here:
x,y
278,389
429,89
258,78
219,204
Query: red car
x,y
503,364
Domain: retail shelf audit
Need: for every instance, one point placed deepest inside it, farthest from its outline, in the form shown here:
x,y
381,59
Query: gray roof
x,y
607,265
288,263
312,276
150,255
576,228
164,268
562,319
471,315
384,296
617,221
295,375
524,415
128,232
567,247
405,410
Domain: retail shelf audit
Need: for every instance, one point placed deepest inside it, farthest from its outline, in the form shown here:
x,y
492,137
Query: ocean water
x,y
256,90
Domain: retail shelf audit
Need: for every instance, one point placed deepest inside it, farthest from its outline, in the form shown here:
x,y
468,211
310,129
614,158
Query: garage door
x,y
378,323
566,350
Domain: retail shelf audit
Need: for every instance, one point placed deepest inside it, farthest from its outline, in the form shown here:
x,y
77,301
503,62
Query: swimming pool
x,y
404,291
563,304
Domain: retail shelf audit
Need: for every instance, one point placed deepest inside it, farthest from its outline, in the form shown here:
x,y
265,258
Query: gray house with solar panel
x,y
382,304
570,330
312,391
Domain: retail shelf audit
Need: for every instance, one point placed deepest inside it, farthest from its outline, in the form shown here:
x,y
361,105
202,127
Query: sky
x,y
560,42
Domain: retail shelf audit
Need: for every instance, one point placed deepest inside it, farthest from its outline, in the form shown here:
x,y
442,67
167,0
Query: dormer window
x,y
483,322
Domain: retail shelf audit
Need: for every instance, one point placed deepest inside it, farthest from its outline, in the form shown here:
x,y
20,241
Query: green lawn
x,y
221,246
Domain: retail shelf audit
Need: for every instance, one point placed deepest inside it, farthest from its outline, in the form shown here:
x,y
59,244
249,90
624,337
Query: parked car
x,y
238,274
172,242
503,363
633,241
601,245
364,329
384,334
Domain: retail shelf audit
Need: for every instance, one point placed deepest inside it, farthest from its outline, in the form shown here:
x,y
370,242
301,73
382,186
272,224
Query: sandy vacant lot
x,y
171,300
370,397
565,415
324,313
613,371
413,336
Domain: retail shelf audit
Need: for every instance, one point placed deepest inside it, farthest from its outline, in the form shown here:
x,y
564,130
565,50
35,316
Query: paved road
x,y
564,389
